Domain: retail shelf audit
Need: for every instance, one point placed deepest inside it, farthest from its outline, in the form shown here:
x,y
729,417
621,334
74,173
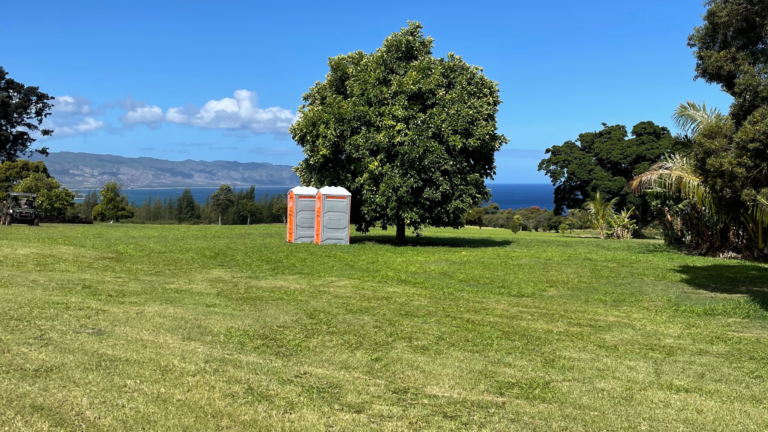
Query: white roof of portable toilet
x,y
334,190
304,190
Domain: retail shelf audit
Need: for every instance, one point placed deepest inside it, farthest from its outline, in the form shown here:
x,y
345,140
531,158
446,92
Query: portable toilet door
x,y
332,211
301,214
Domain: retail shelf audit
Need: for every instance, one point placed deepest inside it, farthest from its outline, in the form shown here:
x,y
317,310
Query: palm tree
x,y
709,224
623,225
600,212
675,176
690,117
758,218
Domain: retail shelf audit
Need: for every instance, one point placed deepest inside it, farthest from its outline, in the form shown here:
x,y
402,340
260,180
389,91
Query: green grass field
x,y
140,327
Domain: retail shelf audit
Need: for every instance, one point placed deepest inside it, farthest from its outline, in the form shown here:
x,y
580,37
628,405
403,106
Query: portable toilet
x,y
301,214
332,210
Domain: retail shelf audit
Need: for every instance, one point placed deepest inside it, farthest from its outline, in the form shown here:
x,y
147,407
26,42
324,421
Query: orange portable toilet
x,y
301,214
333,208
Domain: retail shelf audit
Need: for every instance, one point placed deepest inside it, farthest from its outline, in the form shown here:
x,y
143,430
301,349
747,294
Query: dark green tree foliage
x,y
158,211
515,224
413,137
246,209
730,50
605,161
187,209
22,111
534,218
280,209
53,201
222,200
250,210
113,205
475,217
245,205
169,212
143,213
85,207
529,219
12,173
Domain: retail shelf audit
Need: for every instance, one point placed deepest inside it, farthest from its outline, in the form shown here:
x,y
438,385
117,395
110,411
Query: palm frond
x,y
675,176
690,117
759,208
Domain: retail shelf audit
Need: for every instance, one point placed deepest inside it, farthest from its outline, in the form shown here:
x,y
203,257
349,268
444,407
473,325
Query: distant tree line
x,y
534,219
234,207
598,214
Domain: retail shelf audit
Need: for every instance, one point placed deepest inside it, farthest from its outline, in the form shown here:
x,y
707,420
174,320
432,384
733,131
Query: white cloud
x,y
147,114
240,113
71,105
85,125
139,112
72,115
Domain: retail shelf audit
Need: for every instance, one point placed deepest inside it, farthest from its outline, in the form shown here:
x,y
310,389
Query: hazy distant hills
x,y
91,171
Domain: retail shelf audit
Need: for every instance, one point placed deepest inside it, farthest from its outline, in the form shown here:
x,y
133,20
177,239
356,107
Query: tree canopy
x,y
113,206
53,200
250,210
411,136
730,50
605,161
186,208
12,173
223,199
714,195
22,111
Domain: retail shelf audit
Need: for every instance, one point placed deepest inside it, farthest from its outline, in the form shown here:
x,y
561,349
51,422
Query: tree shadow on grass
x,y
750,280
456,242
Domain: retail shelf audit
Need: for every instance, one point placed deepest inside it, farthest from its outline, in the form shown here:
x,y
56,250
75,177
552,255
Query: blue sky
x,y
152,78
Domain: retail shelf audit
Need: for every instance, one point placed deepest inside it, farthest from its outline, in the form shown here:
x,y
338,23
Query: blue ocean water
x,y
507,196
515,196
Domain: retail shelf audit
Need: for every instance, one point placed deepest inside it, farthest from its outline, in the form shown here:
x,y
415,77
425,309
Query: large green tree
x,y
250,210
605,161
113,205
731,50
413,137
186,207
22,111
223,199
12,173
720,185
53,200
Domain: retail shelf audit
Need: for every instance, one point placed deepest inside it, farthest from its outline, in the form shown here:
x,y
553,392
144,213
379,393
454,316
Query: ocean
x,y
507,196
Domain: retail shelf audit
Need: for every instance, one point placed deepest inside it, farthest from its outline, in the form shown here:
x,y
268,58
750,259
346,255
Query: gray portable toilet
x,y
332,211
301,214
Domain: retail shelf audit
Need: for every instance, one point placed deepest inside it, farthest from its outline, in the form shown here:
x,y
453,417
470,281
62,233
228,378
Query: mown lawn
x,y
139,327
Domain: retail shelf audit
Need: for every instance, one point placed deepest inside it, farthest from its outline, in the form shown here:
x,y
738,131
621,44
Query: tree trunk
x,y
400,233
249,220
219,219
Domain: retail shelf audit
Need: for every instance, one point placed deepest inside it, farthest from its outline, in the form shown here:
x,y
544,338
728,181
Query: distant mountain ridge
x,y
91,171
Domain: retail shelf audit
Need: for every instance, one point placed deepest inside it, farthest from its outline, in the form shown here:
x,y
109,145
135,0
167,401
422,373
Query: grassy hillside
x,y
115,327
